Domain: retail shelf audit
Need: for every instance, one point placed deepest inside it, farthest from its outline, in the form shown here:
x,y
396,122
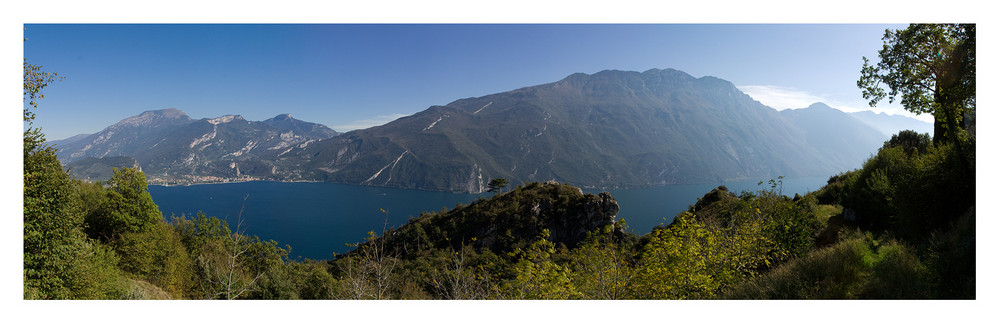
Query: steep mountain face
x,y
609,129
892,124
130,135
170,146
840,138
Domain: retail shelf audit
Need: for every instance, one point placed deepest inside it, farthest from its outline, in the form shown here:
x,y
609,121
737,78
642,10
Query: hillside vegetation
x,y
875,232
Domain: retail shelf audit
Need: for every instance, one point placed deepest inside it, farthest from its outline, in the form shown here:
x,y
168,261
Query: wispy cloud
x,y
782,98
366,123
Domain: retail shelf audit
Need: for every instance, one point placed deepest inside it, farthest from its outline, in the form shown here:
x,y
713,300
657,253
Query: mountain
x,y
133,134
100,169
892,124
609,129
68,140
170,146
285,123
839,137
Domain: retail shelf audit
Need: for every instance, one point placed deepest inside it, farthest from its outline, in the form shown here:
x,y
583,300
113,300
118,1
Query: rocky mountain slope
x,y
609,129
170,146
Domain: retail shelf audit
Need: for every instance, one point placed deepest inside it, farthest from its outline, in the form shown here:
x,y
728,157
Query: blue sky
x,y
350,76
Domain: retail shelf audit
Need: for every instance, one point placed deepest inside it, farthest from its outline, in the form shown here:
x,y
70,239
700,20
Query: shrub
x,y
857,267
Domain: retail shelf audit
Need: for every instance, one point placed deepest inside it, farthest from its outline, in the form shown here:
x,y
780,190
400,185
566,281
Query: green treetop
x,y
932,68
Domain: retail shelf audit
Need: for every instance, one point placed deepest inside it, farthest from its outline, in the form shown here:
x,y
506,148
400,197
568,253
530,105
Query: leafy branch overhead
x,y
931,68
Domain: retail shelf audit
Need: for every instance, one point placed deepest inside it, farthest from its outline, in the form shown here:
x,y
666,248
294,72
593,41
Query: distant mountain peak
x,y
820,105
150,117
225,119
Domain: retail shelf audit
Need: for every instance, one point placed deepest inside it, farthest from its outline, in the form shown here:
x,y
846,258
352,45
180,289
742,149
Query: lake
x,y
318,219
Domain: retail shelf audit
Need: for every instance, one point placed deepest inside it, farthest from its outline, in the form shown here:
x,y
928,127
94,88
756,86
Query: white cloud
x,y
782,98
366,123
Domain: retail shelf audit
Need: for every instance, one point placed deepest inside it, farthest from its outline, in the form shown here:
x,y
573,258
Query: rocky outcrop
x,y
572,226
510,220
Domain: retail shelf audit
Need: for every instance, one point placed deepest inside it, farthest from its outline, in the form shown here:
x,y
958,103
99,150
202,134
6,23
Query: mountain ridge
x,y
610,129
588,130
170,146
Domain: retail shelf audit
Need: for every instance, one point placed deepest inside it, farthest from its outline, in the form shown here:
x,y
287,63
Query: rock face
x,y
171,147
572,227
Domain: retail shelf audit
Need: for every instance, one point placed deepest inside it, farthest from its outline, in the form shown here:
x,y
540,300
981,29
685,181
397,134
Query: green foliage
x,y
367,273
199,230
128,207
604,266
52,234
34,81
312,280
724,240
463,274
232,265
496,185
911,142
909,194
507,221
157,256
858,267
679,262
537,276
59,261
932,68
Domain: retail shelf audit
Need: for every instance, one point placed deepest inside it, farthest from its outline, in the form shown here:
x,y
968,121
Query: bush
x,y
859,267
911,195
157,256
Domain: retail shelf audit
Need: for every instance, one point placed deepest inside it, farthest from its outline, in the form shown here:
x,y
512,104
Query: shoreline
x,y
195,183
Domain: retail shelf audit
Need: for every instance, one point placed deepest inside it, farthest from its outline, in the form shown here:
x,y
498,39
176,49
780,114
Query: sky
x,y
351,76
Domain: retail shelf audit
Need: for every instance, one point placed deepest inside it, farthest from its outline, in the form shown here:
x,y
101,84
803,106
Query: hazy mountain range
x,y
892,124
608,129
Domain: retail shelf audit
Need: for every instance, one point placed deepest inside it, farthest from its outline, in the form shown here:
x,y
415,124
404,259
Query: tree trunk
x,y
938,132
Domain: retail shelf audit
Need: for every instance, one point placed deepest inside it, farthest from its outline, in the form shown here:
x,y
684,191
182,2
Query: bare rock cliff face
x,y
572,227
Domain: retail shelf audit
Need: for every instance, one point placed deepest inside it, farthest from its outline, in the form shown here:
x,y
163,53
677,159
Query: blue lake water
x,y
319,219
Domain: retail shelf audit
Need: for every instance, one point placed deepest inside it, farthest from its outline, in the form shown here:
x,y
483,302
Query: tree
x,y
233,264
59,261
128,207
536,275
604,265
496,184
932,68
368,273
